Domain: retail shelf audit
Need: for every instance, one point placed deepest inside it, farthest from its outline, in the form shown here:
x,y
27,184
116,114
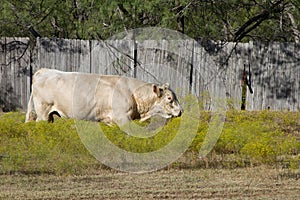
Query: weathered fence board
x,y
275,75
214,71
14,79
162,61
112,57
62,54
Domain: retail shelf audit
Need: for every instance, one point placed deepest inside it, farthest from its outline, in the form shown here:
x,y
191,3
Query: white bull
x,y
110,99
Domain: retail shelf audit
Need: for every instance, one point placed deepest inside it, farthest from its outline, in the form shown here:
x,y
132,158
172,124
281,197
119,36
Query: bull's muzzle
x,y
180,113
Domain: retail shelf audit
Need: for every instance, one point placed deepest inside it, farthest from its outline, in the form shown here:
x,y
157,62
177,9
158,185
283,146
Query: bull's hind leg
x,y
31,114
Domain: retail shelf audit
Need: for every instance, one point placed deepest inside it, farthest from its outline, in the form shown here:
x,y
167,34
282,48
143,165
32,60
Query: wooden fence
x,y
213,69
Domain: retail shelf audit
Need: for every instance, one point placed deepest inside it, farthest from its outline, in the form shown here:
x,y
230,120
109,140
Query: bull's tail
x,y
31,114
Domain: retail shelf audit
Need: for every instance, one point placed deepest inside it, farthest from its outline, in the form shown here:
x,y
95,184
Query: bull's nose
x,y
180,113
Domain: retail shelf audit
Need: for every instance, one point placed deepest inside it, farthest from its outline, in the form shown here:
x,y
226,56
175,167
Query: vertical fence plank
x,y
162,61
84,56
63,54
113,57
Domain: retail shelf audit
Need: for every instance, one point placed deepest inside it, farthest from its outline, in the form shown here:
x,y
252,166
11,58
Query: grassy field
x,y
241,183
257,156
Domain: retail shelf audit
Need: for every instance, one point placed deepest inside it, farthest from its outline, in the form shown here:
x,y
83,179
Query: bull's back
x,y
82,95
52,84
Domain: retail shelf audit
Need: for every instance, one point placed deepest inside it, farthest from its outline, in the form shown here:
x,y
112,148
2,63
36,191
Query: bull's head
x,y
167,104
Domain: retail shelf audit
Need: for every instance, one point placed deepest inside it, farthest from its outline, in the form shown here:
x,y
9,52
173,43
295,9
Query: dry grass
x,y
242,183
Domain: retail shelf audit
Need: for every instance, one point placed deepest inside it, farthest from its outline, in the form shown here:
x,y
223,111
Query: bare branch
x,y
255,21
294,27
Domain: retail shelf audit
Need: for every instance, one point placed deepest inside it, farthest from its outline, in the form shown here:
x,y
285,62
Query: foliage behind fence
x,y
187,65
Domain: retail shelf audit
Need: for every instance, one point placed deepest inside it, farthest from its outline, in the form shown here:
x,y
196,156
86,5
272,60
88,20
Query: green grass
x,y
141,145
257,138
41,147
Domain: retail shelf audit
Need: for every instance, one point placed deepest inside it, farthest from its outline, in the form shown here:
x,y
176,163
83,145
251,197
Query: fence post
x,y
244,89
3,74
135,58
246,82
192,69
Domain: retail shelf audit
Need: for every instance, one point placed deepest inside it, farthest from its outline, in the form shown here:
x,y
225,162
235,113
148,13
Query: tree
x,y
231,20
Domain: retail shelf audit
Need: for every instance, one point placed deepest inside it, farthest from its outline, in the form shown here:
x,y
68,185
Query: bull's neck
x,y
144,105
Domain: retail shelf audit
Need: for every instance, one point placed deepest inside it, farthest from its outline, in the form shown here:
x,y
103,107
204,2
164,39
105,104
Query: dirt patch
x,y
243,183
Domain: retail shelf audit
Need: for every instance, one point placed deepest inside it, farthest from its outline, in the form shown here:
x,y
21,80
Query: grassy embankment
x,y
247,139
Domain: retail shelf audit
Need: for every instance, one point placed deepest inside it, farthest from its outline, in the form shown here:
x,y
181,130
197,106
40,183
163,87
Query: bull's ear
x,y
165,86
157,90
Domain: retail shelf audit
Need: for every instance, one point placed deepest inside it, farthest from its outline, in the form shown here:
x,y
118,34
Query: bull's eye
x,y
170,99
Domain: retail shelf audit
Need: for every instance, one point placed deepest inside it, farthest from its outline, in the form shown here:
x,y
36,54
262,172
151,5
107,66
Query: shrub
x,y
40,147
141,145
257,137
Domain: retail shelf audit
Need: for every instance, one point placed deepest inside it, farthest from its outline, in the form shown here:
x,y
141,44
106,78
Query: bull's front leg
x,y
121,120
42,111
145,117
